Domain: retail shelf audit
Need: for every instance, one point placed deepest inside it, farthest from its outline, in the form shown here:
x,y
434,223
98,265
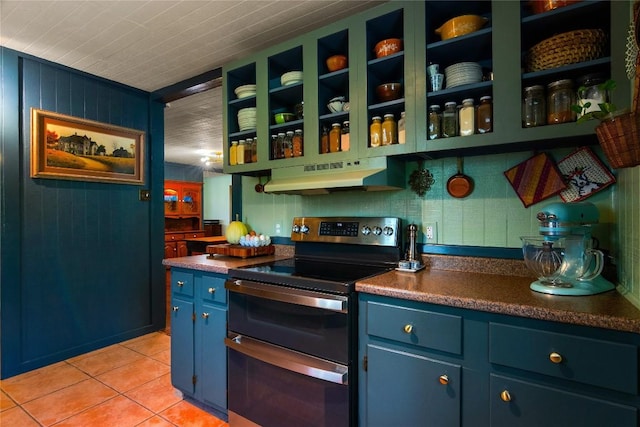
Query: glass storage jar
x,y
334,138
435,122
389,130
560,98
467,118
534,111
240,152
298,143
344,137
280,146
287,144
247,150
590,91
274,146
402,133
324,140
449,120
375,131
484,115
233,156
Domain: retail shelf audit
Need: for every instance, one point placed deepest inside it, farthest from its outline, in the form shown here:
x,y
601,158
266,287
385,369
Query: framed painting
x,y
66,147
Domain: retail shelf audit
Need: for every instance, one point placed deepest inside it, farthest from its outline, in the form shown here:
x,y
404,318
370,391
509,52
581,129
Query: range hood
x,y
370,174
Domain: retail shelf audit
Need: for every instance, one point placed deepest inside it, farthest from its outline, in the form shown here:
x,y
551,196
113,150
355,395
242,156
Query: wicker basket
x,y
620,140
566,48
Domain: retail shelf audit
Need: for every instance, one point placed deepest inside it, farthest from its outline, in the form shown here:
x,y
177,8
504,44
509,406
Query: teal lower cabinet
x,y
432,365
198,329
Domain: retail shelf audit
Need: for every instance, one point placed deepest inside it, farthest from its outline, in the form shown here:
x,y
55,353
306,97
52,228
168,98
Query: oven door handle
x,y
289,295
288,359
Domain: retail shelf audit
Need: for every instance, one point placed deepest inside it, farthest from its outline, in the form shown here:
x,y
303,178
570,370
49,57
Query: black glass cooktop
x,y
327,276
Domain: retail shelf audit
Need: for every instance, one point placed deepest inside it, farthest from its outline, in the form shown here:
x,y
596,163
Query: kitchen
x,y
265,211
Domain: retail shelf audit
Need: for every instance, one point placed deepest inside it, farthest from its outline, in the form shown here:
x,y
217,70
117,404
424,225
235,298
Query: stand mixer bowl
x,y
545,258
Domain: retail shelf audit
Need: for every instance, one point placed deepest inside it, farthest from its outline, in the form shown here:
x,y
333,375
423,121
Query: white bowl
x,y
291,77
245,91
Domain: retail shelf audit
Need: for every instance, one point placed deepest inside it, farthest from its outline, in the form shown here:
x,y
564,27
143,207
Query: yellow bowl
x,y
461,25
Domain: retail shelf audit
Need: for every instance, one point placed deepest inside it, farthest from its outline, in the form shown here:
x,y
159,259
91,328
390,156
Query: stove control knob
x,y
366,230
388,231
304,229
296,228
377,230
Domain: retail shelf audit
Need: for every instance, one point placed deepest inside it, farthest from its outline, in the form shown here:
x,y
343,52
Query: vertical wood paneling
x,y
84,244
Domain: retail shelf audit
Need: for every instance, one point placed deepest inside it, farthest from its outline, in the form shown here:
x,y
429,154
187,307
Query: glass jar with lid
x,y
334,137
254,150
233,156
274,146
324,140
287,144
534,111
591,93
247,150
467,118
560,98
280,146
449,120
240,152
435,122
402,133
298,143
389,130
484,115
344,137
375,131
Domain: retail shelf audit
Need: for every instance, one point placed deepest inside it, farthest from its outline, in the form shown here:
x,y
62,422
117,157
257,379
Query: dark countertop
x,y
218,263
505,294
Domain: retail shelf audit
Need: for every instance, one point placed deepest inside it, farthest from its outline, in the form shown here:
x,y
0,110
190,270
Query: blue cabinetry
x,y
199,322
426,364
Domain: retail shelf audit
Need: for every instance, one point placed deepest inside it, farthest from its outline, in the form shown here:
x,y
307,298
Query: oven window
x,y
319,332
272,396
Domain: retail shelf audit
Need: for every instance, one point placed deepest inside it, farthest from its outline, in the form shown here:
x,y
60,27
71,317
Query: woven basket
x,y
620,140
566,48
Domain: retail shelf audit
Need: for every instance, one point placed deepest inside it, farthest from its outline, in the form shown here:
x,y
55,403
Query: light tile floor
x,y
126,384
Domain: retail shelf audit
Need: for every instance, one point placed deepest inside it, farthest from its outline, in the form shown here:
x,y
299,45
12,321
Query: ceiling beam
x,y
191,86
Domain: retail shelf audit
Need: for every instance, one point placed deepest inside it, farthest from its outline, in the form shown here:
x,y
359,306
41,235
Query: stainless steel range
x,y
292,328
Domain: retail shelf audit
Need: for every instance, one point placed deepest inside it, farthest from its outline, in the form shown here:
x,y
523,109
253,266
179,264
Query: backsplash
x,y
492,216
628,209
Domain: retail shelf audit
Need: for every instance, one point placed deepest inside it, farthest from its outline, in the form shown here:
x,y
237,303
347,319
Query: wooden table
x,y
198,245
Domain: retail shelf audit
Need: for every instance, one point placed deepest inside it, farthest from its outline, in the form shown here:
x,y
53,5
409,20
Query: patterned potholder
x,y
585,175
535,179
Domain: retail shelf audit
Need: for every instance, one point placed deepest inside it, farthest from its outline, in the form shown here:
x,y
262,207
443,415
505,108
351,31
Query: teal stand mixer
x,y
562,256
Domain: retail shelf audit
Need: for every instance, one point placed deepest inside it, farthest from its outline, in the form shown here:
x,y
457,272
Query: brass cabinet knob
x,y
408,328
212,290
444,379
180,283
205,315
176,308
555,357
505,396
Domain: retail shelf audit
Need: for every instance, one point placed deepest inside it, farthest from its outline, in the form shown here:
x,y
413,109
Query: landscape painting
x,y
66,147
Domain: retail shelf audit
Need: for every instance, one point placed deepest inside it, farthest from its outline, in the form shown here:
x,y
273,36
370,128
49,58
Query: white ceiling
x,y
151,44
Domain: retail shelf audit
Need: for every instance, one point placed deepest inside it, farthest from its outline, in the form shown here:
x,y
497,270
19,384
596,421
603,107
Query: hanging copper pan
x,y
460,185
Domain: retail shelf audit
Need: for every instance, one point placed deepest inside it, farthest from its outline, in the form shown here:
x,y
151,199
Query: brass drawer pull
x,y
505,396
180,283
212,290
444,379
555,357
408,328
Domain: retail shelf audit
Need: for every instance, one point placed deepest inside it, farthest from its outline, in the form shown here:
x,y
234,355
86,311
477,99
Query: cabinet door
x,y
518,403
405,389
170,249
190,200
181,249
212,377
171,200
182,353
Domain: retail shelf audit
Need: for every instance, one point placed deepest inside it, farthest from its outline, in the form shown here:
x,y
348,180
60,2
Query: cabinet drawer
x,y
173,237
182,283
586,360
418,327
193,234
213,289
520,403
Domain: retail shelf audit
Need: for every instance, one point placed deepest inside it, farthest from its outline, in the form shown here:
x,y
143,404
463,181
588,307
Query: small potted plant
x,y
618,131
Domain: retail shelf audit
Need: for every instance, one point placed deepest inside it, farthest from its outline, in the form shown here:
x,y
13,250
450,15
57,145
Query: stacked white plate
x,y
245,91
247,118
462,73
291,77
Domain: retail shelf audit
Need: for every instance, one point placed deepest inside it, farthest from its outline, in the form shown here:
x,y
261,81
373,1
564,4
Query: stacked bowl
x,y
463,73
291,77
245,91
247,118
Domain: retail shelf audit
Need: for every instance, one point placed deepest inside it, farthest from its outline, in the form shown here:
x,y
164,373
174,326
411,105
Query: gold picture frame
x,y
67,147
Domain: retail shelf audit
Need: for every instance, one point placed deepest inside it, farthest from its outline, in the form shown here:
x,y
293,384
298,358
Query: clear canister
x,y
591,93
402,133
298,143
449,120
534,111
345,137
334,137
560,98
484,115
233,153
240,152
435,122
389,130
375,131
467,118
